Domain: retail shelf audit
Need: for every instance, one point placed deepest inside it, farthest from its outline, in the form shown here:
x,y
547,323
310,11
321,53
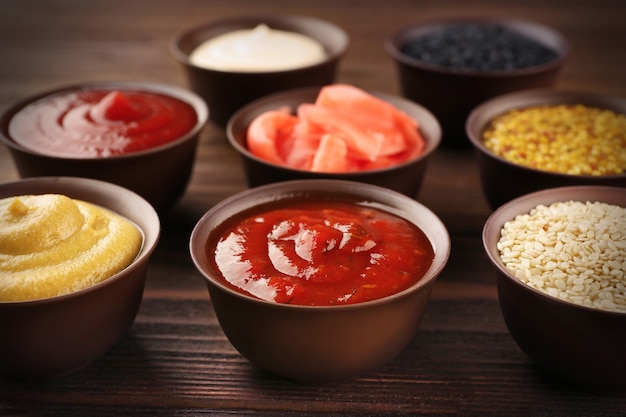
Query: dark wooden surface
x,y
175,360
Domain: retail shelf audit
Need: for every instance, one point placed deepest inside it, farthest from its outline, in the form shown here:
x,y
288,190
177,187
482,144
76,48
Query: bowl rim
x,y
481,115
198,104
431,144
114,191
289,189
393,40
508,211
250,21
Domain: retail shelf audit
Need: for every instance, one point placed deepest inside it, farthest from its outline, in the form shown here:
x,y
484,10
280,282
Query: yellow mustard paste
x,y
51,245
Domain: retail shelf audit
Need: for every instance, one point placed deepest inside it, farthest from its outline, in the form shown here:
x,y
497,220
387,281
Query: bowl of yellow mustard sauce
x,y
73,262
538,139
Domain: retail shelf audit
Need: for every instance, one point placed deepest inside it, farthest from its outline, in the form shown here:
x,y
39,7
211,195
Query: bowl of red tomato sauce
x,y
319,280
142,136
338,131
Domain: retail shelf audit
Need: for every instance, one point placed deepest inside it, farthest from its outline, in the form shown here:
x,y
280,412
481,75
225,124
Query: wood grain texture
x,y
175,360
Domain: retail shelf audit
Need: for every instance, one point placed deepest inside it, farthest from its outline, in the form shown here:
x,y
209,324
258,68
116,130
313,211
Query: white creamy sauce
x,y
258,50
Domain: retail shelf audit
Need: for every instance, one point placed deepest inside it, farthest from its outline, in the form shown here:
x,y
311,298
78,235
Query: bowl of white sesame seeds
x,y
560,261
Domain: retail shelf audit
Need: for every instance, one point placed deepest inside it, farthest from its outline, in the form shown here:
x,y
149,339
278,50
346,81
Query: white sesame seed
x,y
575,251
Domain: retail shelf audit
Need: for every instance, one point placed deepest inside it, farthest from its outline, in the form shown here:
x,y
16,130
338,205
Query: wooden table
x,y
175,360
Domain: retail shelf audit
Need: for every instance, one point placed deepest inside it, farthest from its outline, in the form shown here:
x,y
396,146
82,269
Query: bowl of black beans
x,y
453,65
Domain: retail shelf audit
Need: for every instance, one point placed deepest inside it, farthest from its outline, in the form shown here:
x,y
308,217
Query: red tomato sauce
x,y
101,123
319,253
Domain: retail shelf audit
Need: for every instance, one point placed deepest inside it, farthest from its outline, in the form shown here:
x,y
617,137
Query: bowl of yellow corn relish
x,y
73,263
537,139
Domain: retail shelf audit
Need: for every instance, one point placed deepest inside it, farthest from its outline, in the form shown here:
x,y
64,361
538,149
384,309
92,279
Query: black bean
x,y
478,47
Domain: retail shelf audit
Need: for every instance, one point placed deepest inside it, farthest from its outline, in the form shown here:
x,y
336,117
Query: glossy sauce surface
x,y
319,252
101,123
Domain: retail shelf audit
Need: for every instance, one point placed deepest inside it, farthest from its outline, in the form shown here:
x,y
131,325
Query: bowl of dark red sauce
x,y
142,136
452,65
319,280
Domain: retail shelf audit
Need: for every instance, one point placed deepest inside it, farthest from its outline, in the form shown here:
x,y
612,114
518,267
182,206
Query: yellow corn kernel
x,y
571,139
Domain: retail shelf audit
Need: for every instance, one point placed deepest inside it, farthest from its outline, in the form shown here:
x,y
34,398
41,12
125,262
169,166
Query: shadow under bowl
x,y
406,178
320,343
56,336
451,94
503,180
158,174
580,344
225,91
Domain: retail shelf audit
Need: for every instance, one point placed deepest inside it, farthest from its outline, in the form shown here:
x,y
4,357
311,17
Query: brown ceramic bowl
x,y
503,180
225,91
405,178
59,335
452,94
581,344
158,174
320,343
